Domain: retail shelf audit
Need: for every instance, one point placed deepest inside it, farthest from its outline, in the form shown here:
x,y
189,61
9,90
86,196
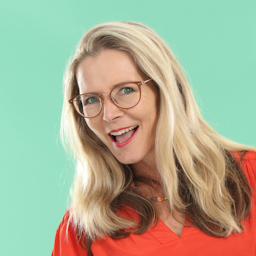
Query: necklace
x,y
154,199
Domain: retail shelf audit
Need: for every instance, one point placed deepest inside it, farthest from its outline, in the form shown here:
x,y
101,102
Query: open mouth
x,y
123,135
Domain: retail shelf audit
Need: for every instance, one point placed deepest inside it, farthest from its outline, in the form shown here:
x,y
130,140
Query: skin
x,y
99,75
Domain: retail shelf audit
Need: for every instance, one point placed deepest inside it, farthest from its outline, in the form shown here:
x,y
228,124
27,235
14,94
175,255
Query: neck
x,y
147,168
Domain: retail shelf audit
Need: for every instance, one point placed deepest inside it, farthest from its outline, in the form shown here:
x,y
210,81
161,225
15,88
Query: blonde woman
x,y
152,178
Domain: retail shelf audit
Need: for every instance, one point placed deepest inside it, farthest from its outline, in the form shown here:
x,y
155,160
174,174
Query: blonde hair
x,y
198,172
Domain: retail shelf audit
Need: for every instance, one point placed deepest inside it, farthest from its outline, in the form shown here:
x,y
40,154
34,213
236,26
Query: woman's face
x,y
99,75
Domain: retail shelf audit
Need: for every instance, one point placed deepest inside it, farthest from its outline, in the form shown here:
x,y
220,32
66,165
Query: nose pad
x,y
110,110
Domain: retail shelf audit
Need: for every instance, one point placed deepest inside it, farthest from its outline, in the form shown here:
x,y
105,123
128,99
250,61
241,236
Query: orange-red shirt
x,y
163,241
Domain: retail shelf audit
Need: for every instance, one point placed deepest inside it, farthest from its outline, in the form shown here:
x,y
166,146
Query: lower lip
x,y
119,145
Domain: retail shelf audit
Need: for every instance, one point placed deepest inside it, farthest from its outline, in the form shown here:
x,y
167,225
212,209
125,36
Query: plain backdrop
x,y
214,41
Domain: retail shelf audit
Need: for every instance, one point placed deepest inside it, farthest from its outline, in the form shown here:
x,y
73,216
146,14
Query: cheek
x,y
149,112
92,125
95,125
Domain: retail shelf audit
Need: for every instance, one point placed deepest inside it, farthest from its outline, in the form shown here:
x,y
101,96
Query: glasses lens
x,y
88,105
126,96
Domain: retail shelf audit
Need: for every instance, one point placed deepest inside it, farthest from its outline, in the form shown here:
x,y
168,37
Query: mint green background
x,y
215,42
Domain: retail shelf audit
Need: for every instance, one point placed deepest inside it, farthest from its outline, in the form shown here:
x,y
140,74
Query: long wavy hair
x,y
199,173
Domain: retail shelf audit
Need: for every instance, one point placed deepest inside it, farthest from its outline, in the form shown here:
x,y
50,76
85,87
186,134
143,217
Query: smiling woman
x,y
153,178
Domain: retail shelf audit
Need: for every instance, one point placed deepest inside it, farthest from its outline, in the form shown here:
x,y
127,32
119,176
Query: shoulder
x,y
248,155
248,163
66,242
249,167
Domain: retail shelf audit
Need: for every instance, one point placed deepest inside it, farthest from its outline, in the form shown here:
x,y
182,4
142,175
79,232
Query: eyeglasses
x,y
123,96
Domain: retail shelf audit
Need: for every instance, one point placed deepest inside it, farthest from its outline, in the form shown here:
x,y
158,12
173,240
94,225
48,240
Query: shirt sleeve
x,y
66,242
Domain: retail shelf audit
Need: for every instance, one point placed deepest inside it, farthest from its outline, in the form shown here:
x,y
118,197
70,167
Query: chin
x,y
128,159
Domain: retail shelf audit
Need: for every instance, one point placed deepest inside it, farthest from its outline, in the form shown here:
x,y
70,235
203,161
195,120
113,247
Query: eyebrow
x,y
113,86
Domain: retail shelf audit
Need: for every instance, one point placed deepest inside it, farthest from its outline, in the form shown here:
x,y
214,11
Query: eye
x,y
127,90
91,100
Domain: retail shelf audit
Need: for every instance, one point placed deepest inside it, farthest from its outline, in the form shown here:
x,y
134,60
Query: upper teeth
x,y
123,131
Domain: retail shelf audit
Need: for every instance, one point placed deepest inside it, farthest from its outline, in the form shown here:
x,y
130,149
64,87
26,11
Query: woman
x,y
153,178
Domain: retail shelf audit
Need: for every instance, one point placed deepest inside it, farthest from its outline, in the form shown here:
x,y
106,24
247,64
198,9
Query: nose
x,y
110,111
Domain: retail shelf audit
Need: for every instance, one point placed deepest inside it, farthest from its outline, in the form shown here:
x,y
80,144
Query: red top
x,y
163,241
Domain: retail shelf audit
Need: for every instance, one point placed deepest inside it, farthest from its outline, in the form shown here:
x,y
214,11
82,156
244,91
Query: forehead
x,y
110,67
